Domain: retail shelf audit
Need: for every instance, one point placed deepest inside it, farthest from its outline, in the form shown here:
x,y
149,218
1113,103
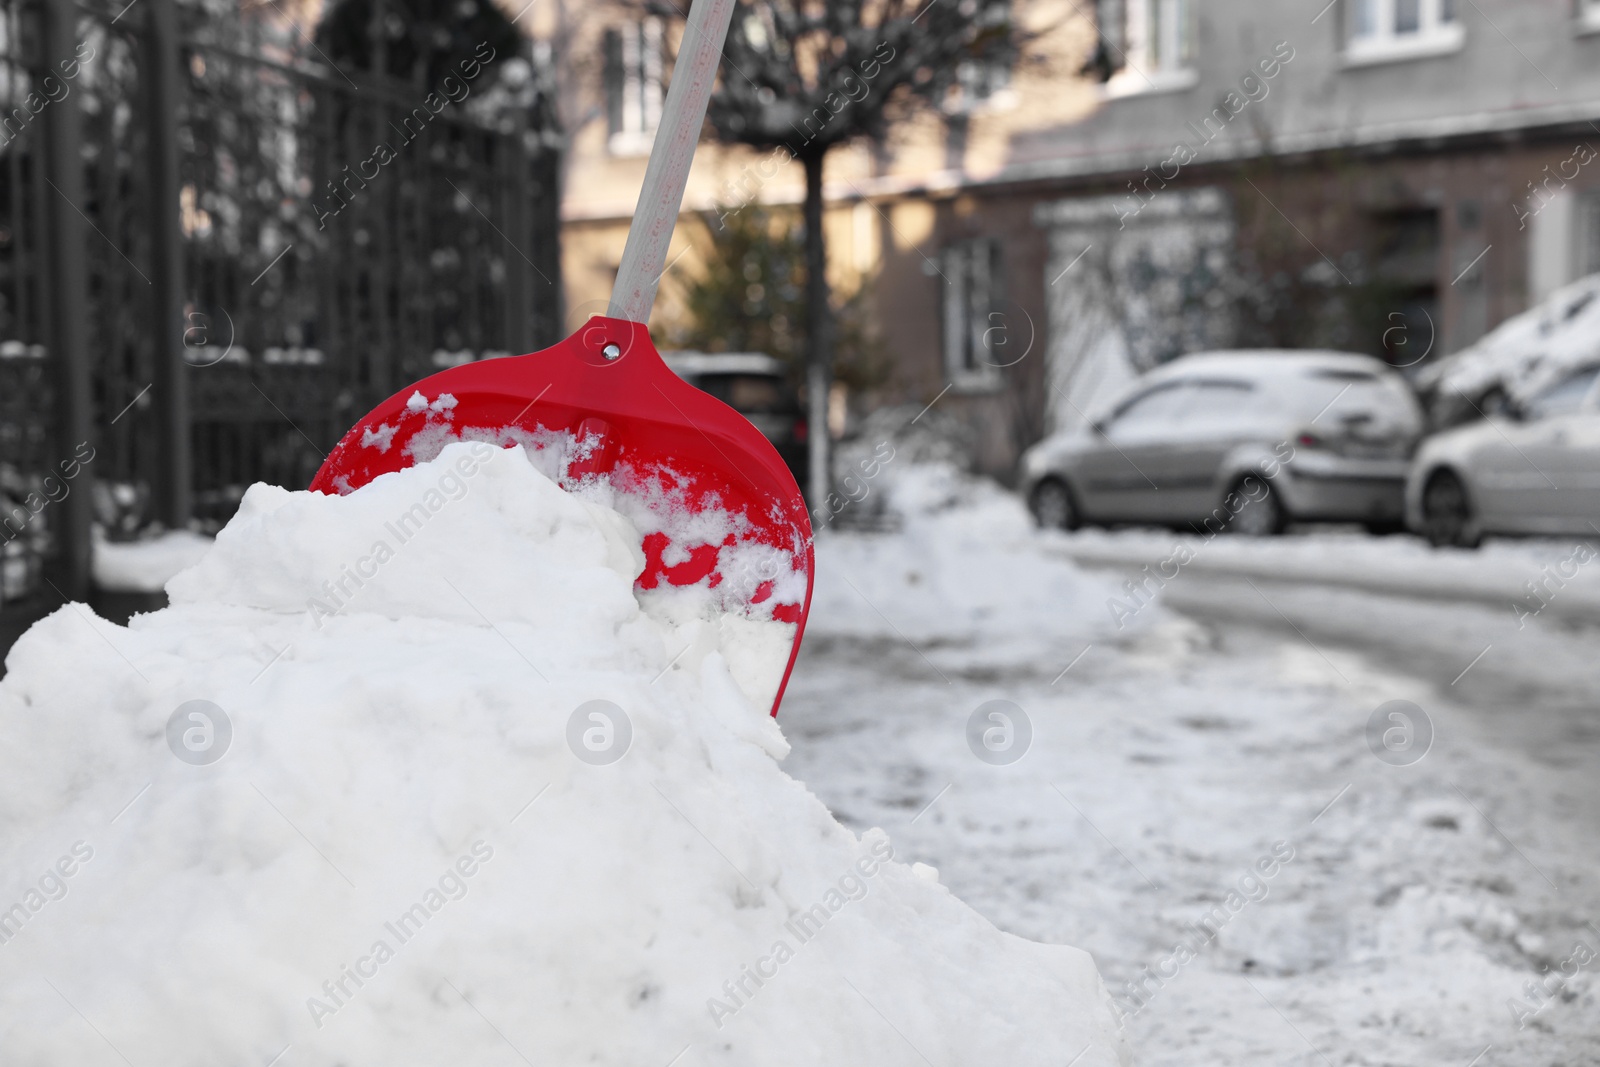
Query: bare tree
x,y
800,77
417,40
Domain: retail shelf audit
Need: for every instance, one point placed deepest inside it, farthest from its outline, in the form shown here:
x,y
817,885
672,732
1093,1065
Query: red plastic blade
x,y
610,409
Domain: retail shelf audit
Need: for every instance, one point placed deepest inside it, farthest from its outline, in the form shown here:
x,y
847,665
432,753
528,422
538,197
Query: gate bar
x,y
72,565
174,474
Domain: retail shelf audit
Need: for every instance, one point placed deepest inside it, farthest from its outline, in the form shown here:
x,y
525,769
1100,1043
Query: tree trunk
x,y
819,339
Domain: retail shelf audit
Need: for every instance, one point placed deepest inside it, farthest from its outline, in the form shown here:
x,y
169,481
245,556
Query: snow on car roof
x,y
1299,382
1258,361
1528,351
693,363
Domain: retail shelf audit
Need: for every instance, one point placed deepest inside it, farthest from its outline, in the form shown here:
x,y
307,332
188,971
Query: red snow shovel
x,y
720,506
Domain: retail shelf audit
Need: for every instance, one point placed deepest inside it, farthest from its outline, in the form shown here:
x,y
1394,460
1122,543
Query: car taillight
x,y
1309,440
801,431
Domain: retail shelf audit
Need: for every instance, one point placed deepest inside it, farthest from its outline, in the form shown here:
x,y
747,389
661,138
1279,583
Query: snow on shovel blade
x,y
600,410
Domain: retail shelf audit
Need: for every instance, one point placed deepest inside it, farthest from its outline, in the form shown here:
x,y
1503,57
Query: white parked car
x,y
1521,357
1533,470
1249,440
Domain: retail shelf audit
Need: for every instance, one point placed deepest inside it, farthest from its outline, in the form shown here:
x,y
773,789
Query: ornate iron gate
x,y
267,246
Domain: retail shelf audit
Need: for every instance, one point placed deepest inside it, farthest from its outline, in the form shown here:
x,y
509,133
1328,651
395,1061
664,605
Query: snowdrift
x,y
419,844
967,574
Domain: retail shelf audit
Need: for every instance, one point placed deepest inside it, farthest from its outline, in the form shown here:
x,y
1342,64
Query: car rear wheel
x,y
1260,513
1052,506
1447,512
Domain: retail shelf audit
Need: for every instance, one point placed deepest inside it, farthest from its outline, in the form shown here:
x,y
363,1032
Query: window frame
x,y
633,84
1143,68
966,340
1439,32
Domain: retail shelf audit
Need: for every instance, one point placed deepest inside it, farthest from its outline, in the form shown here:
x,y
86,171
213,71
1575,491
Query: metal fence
x,y
218,249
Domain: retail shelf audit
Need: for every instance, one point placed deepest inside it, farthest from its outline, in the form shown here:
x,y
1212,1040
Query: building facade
x,y
1387,176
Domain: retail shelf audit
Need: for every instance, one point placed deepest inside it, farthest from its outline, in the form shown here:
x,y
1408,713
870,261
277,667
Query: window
x,y
1565,397
1146,46
633,85
1150,413
975,327
1383,31
1219,403
1586,234
1563,237
1340,396
1187,408
751,394
1332,375
1158,35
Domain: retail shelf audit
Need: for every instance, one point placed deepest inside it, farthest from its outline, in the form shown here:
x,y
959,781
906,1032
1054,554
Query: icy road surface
x,y
1440,912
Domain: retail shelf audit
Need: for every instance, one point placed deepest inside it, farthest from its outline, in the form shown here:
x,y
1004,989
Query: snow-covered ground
x,y
415,775
1187,788
1219,734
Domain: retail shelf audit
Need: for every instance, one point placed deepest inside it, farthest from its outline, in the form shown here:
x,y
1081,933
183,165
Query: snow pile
x,y
1526,352
691,538
967,568
414,849
147,565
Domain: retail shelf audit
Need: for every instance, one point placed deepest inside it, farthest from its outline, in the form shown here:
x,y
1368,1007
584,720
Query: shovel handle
x,y
644,257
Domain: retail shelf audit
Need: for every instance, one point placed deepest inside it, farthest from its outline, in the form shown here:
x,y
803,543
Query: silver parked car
x,y
1534,469
1248,441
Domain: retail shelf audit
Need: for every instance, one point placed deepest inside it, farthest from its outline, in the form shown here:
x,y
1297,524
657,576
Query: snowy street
x,y
800,533
1316,799
1421,903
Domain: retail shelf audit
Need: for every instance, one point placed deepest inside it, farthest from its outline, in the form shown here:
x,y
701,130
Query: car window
x,y
1214,407
753,394
1218,400
1342,374
1331,394
1565,397
1156,407
1214,390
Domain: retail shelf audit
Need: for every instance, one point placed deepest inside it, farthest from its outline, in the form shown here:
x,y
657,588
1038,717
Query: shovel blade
x,y
717,504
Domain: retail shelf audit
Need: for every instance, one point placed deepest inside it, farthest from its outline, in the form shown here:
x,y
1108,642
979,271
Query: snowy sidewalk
x,y
1198,805
1562,575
